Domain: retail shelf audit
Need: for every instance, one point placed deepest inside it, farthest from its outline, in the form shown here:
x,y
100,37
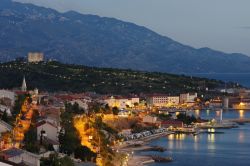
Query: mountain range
x,y
91,40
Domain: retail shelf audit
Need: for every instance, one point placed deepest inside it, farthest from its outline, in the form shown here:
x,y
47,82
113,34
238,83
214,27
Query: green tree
x,y
69,141
68,136
5,117
30,140
18,103
186,119
85,154
115,110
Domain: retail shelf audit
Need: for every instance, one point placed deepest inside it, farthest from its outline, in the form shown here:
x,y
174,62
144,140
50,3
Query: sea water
x,y
230,148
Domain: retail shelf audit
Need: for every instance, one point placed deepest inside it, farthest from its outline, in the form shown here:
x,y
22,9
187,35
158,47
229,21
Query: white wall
x,y
51,131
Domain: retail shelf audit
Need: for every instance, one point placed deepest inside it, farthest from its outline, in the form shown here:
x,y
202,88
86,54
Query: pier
x,y
244,120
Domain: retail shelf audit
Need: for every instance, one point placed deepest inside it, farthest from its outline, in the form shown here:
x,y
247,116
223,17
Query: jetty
x,y
244,120
162,159
153,148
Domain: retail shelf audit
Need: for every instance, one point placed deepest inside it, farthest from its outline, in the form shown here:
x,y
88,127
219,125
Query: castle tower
x,y
24,86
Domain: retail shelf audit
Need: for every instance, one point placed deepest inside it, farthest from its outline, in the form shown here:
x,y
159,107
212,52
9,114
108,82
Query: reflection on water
x,y
218,113
227,114
241,137
211,138
196,138
180,136
171,137
176,140
197,113
208,112
176,137
241,112
230,148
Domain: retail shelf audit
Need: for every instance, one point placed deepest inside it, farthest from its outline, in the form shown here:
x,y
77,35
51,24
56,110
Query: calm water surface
x,y
230,149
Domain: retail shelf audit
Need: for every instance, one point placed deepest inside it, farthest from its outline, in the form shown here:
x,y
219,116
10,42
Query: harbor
x,y
210,143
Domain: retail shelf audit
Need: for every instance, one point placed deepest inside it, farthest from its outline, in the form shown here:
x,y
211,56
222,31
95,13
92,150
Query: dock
x,y
244,120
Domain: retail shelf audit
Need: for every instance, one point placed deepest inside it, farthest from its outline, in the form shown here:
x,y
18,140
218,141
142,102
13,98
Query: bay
x,y
231,148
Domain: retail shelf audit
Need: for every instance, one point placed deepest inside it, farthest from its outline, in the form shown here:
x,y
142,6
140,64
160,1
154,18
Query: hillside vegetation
x,y
55,76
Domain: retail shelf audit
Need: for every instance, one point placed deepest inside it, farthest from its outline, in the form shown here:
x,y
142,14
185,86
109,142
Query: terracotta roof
x,y
21,92
172,122
70,97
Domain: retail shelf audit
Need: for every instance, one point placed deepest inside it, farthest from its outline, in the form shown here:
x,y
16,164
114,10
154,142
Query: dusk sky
x,y
219,24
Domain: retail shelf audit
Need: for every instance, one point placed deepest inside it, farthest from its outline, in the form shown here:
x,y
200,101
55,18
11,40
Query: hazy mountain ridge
x,y
106,42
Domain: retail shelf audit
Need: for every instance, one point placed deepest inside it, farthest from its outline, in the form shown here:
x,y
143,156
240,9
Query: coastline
x,y
134,159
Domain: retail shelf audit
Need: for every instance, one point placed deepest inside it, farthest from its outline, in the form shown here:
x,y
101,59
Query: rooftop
x,y
12,152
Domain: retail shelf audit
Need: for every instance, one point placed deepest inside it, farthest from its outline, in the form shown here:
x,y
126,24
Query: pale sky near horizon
x,y
219,24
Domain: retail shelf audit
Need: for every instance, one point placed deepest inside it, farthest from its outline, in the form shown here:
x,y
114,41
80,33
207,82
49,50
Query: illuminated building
x,y
122,102
35,57
187,97
162,100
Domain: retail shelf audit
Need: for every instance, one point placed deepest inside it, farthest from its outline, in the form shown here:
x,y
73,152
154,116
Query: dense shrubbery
x,y
84,153
186,119
137,128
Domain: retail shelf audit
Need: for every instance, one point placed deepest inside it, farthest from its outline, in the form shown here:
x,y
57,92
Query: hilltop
x,y
91,40
55,76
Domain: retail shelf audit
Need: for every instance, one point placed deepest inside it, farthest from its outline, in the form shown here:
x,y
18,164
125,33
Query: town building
x,y
4,108
8,163
83,104
162,100
121,102
8,95
125,132
150,119
188,97
4,127
20,156
241,106
172,124
47,131
123,113
35,57
215,103
173,100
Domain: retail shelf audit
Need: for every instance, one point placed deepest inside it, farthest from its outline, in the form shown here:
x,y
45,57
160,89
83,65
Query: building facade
x,y
8,94
20,156
188,97
162,100
48,130
35,57
121,103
